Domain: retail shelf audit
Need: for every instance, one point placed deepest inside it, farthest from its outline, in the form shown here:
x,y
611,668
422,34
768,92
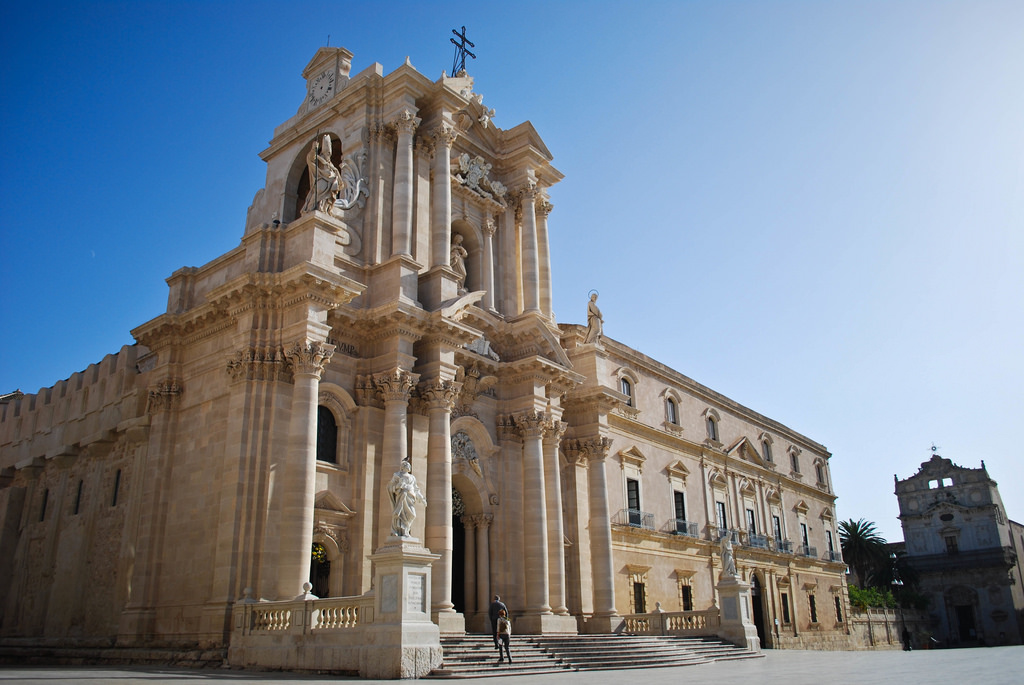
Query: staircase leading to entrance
x,y
474,656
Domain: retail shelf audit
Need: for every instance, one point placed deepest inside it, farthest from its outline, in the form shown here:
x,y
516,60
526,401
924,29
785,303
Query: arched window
x,y
326,436
627,389
766,450
712,428
671,411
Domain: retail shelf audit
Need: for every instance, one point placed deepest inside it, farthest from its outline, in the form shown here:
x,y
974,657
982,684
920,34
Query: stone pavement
x,y
993,666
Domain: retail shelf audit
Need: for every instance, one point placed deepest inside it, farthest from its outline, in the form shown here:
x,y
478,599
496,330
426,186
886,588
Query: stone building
x,y
966,552
390,301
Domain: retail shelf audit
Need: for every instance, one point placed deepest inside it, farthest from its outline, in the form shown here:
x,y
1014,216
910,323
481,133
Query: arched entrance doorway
x,y
458,553
757,600
320,571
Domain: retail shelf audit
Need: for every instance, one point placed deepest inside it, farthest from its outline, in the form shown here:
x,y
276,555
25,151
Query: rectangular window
x,y
680,502
785,608
639,603
720,511
687,598
839,610
951,545
796,463
777,525
814,609
633,501
828,536
803,534
78,499
117,486
42,509
751,522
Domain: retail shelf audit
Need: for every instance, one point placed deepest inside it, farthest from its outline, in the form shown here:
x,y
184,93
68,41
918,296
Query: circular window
x,y
946,517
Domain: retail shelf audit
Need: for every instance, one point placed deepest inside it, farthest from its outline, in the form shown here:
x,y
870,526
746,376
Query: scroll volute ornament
x,y
310,357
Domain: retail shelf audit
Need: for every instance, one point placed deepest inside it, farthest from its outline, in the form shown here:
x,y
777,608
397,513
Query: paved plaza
x,y
997,665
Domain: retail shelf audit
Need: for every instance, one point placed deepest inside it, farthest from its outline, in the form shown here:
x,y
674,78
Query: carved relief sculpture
x,y
458,260
334,189
474,173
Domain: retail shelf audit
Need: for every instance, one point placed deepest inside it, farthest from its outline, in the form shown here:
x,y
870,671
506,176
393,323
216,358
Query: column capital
x,y
259,363
489,227
587,449
444,136
531,424
440,394
405,123
396,384
309,357
544,208
554,430
163,396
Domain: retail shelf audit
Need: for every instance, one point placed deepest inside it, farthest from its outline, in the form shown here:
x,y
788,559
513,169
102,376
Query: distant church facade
x,y
965,552
390,302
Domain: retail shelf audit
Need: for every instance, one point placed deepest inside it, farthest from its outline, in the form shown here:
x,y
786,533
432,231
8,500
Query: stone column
x,y
401,207
488,230
483,562
469,524
308,359
440,397
600,528
441,197
556,546
395,386
531,267
544,257
535,530
579,511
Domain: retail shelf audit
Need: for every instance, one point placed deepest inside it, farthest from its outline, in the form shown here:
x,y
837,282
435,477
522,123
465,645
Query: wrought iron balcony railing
x,y
683,527
808,551
634,518
758,541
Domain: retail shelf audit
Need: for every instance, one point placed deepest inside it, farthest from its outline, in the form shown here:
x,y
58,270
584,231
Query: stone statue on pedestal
x,y
458,260
728,559
405,495
595,322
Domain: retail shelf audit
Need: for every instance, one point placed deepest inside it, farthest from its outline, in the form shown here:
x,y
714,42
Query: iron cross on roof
x,y
459,64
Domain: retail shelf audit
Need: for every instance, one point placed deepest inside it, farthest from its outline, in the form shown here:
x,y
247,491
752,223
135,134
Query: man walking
x,y
496,608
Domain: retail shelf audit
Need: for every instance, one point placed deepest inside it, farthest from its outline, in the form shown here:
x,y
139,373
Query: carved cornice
x,y
366,392
309,357
164,396
505,426
440,394
395,385
260,363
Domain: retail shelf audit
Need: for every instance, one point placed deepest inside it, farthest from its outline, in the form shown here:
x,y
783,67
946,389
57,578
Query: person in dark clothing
x,y
906,640
496,607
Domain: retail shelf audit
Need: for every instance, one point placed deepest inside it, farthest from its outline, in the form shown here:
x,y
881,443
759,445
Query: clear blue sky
x,y
815,208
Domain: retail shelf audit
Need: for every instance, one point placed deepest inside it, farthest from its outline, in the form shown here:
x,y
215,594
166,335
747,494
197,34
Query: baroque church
x,y
390,303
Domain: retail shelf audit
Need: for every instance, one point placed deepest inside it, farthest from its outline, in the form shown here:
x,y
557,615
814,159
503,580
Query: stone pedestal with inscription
x,y
736,625
402,642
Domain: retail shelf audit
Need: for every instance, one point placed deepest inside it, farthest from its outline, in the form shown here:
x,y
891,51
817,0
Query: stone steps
x,y
474,656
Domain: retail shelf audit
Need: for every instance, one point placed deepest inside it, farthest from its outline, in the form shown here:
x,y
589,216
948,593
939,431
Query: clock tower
x,y
325,75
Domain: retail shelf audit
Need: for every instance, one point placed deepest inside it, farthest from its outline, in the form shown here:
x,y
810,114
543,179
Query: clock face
x,y
321,89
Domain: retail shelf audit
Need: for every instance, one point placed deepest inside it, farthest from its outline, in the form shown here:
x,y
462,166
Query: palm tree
x,y
863,548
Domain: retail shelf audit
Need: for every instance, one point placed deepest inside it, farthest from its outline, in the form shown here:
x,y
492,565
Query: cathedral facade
x,y
390,304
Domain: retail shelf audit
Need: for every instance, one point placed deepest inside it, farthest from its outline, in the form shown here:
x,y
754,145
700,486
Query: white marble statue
x,y
595,322
728,559
405,495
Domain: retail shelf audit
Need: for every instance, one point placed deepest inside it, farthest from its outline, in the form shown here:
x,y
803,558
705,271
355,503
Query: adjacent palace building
x,y
390,300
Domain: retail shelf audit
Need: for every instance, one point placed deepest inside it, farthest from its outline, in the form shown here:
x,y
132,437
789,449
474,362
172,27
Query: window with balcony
x,y
633,501
721,520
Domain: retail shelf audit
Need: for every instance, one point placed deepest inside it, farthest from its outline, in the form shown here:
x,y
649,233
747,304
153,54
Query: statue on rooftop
x,y
595,322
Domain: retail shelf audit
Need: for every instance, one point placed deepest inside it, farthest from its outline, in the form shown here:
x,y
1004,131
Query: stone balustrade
x,y
683,623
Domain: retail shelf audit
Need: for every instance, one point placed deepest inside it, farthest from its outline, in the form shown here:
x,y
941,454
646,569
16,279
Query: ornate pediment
x,y
327,501
744,449
634,457
678,470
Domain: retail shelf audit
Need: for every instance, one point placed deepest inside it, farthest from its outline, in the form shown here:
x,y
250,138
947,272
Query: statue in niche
x,y
728,559
324,178
595,322
405,495
458,260
334,189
